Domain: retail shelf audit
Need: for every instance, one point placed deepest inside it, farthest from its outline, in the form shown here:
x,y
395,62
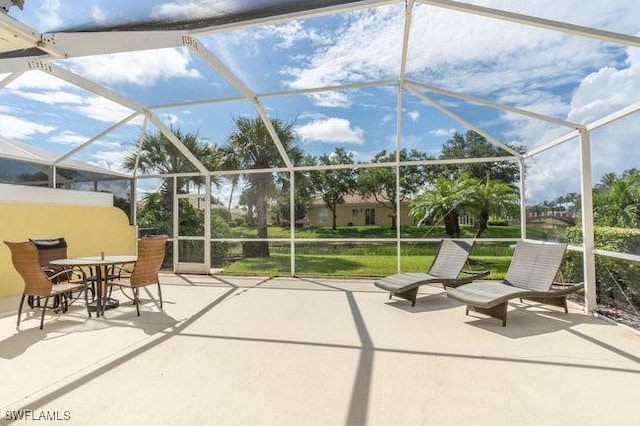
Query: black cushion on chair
x,y
49,243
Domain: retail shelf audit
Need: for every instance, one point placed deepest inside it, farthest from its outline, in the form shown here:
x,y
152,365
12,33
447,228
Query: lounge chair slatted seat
x,y
445,270
530,276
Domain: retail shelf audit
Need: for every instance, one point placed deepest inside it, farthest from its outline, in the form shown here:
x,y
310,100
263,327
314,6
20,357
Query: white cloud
x,y
414,115
17,128
294,32
48,15
102,109
613,146
170,119
51,97
482,56
442,132
38,80
355,52
605,92
92,106
97,14
331,130
386,119
190,8
144,68
331,99
68,137
110,159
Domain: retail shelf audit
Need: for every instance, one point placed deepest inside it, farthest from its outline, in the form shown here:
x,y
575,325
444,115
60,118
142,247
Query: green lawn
x,y
371,259
354,265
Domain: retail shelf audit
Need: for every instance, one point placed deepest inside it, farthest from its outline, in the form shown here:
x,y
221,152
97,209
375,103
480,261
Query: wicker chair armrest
x,y
48,270
119,270
70,272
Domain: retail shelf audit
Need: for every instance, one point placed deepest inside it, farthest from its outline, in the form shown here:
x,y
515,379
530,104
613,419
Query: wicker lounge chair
x,y
24,256
445,270
530,276
151,251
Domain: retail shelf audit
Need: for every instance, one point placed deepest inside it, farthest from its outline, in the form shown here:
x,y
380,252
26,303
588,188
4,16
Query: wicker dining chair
x,y
37,283
53,249
151,251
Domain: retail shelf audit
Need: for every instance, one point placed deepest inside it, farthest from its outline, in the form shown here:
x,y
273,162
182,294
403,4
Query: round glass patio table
x,y
102,264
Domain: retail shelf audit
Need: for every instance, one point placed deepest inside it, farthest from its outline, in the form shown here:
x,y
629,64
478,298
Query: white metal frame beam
x,y
282,93
9,79
95,138
614,116
109,94
547,24
558,141
25,37
481,101
199,49
408,9
588,239
464,122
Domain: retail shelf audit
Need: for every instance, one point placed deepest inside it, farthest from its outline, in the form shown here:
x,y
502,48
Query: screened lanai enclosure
x,y
388,96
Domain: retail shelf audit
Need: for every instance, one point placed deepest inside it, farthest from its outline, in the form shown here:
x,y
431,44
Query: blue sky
x,y
563,76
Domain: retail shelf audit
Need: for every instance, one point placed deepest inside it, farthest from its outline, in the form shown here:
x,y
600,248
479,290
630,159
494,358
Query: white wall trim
x,y
37,195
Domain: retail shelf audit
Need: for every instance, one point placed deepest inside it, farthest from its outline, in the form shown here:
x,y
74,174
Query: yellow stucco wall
x,y
344,214
88,231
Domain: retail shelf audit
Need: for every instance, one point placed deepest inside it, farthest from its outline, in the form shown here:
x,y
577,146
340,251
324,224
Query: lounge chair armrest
x,y
566,288
475,274
466,278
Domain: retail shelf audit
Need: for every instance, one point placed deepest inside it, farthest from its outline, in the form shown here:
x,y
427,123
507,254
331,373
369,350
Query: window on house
x,y
323,215
355,213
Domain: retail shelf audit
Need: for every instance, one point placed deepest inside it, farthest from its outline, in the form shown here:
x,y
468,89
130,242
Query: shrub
x,y
219,229
617,279
222,213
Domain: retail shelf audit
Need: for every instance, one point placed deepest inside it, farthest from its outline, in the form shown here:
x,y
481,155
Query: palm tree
x,y
159,155
490,197
444,201
251,147
617,201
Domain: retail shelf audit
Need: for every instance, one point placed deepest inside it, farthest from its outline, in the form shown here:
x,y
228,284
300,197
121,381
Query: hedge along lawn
x,y
355,265
371,259
510,231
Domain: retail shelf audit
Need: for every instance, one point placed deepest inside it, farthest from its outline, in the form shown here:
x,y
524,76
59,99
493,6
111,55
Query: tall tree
x,y
379,183
333,184
474,145
252,147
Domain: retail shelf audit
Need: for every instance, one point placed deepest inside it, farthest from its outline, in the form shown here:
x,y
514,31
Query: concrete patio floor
x,y
284,351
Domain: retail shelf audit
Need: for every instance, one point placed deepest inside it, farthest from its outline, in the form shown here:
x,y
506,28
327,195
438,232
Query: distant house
x,y
355,211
